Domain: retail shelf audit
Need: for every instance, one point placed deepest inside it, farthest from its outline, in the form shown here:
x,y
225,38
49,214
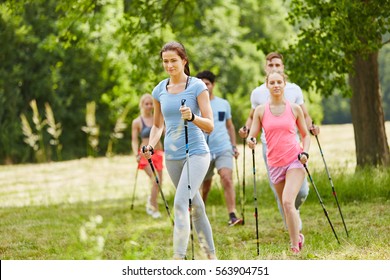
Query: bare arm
x,y
158,124
231,131
135,129
256,126
302,127
309,121
243,131
232,136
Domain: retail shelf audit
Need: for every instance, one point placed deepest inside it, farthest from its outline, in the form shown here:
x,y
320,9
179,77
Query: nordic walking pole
x,y
135,185
243,180
158,184
331,183
319,198
255,197
183,103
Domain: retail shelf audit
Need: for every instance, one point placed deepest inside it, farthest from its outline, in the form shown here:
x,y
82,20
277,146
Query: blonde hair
x,y
142,100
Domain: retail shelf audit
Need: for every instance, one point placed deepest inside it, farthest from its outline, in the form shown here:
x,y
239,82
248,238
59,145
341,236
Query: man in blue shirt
x,y
222,144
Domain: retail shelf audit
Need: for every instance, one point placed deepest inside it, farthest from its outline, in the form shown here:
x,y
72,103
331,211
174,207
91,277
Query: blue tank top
x,y
145,130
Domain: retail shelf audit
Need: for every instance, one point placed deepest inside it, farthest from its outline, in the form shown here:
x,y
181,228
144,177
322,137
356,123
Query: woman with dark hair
x,y
168,96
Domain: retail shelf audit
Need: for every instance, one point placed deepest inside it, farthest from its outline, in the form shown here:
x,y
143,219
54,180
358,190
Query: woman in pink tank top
x,y
279,119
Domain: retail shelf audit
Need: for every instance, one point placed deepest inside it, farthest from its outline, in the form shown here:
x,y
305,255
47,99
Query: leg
x,y
227,183
152,205
302,194
178,172
206,186
198,168
208,179
224,165
277,198
294,178
301,198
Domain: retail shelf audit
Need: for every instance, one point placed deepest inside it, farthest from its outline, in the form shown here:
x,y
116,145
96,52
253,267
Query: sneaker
x,y
301,241
152,211
295,250
235,221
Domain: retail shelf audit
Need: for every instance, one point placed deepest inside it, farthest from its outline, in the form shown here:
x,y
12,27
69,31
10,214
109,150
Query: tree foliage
x,y
340,39
67,54
330,34
70,53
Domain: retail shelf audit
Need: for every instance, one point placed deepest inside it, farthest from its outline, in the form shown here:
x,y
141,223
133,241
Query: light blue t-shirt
x,y
174,141
219,139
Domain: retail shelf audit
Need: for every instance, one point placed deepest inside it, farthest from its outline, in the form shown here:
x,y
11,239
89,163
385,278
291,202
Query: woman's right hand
x,y
147,151
251,141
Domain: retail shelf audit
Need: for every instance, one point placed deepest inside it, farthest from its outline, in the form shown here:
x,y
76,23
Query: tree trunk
x,y
372,148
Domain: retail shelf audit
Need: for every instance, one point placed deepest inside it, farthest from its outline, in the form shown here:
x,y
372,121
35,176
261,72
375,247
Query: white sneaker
x,y
151,210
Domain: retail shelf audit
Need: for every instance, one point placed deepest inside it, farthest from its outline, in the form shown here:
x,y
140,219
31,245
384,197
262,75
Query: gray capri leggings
x,y
177,170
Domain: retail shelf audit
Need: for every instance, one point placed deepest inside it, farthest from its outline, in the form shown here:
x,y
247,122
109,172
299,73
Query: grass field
x,y
80,209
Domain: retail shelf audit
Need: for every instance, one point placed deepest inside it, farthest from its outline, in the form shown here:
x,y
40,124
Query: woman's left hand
x,y
303,157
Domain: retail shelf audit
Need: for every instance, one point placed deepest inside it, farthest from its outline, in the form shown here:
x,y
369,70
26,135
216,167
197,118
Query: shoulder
x,y
296,108
221,100
160,87
293,86
260,109
136,121
259,89
194,81
197,85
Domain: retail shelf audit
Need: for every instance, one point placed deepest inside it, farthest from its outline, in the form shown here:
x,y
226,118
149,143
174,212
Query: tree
x,y
339,39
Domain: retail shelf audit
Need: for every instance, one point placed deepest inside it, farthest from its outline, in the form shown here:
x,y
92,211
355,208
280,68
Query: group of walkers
x,y
199,136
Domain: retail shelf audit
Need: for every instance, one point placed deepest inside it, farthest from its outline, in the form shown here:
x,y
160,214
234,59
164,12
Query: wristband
x,y
192,117
303,153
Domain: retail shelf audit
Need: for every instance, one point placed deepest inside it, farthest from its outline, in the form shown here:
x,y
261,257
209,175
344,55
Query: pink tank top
x,y
280,134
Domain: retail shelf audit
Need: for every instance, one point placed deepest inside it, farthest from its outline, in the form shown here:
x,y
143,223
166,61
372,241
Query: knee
x,y
226,179
198,210
180,207
288,206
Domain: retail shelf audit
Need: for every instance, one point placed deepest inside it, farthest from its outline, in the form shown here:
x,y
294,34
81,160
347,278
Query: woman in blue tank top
x,y
140,130
168,95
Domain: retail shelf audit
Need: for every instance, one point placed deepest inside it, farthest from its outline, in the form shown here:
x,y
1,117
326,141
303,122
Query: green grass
x,y
81,210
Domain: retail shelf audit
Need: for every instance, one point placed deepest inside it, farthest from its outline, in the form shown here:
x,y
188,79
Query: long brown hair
x,y
180,50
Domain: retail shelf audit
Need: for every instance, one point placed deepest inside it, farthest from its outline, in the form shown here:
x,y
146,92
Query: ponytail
x,y
187,68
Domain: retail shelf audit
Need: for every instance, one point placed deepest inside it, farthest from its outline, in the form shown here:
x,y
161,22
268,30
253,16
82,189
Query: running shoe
x,y
235,221
301,241
295,250
152,211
